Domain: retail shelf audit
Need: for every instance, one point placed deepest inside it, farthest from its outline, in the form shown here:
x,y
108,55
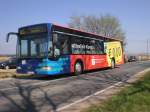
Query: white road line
x,y
87,97
5,89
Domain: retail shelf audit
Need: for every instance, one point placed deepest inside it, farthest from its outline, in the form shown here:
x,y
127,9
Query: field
x,y
3,58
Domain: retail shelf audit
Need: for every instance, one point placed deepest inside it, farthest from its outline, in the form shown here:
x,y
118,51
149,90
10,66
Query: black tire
x,y
78,69
113,64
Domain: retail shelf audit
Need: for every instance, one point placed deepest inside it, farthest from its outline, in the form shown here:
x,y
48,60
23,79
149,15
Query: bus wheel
x,y
112,64
6,67
78,68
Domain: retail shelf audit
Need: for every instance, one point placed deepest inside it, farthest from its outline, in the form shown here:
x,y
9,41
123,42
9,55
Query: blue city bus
x,y
50,49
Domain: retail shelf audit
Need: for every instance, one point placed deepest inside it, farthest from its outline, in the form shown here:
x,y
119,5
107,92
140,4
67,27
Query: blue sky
x,y
134,17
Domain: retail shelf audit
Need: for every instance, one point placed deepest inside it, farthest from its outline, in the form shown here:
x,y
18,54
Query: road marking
x,y
87,97
5,89
98,92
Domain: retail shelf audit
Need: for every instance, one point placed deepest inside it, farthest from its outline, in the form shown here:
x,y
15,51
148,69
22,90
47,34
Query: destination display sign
x,y
33,29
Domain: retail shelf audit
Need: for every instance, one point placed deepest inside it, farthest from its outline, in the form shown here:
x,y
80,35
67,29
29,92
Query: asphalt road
x,y
51,94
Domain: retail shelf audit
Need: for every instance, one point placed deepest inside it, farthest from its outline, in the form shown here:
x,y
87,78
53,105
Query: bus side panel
x,y
96,61
64,61
123,58
74,58
60,66
114,50
90,62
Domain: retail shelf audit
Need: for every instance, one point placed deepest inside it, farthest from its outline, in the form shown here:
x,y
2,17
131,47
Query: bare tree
x,y
75,22
105,25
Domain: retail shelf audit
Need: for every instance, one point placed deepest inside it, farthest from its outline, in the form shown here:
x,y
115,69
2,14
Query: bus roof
x,y
72,30
88,33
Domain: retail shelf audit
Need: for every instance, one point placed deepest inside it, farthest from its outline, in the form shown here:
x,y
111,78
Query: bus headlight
x,y
46,68
18,67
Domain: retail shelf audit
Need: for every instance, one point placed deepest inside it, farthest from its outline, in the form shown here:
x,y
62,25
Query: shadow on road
x,y
35,98
53,77
27,101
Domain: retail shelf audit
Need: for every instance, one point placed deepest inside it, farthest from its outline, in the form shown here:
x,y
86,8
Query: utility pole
x,y
147,49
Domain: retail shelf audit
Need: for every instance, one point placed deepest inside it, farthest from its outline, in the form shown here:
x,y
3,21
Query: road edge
x,y
100,96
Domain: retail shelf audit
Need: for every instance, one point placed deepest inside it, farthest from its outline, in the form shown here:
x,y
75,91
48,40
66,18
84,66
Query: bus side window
x,y
89,47
114,53
94,46
50,50
109,52
105,49
64,44
119,51
77,45
99,47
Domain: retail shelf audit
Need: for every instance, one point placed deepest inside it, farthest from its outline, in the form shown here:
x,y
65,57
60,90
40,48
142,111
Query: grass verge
x,y
134,98
12,74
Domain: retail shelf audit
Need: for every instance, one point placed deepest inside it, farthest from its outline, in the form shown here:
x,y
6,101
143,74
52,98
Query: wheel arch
x,y
80,61
113,58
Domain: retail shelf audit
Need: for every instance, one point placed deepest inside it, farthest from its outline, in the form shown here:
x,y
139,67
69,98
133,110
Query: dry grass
x,y
12,73
6,73
3,58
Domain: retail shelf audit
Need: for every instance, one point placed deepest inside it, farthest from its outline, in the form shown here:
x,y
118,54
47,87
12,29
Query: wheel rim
x,y
78,68
7,67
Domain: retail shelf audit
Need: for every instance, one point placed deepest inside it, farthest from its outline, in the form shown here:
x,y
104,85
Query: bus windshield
x,y
34,46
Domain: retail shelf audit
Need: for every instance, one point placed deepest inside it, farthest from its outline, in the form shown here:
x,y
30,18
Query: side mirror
x,y
8,35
